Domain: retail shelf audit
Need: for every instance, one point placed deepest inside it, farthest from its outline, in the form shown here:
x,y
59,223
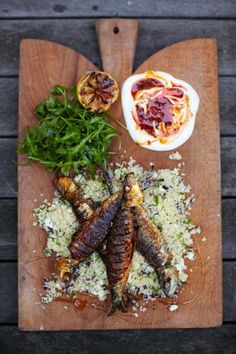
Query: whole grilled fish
x,y
120,249
92,233
151,243
65,267
71,192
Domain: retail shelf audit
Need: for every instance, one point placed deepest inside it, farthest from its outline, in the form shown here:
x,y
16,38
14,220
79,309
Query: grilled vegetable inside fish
x,y
92,233
120,248
71,192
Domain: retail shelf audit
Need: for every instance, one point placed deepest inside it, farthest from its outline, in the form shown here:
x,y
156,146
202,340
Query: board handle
x,y
117,40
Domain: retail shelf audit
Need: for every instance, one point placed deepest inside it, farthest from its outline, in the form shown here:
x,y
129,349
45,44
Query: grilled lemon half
x,y
97,91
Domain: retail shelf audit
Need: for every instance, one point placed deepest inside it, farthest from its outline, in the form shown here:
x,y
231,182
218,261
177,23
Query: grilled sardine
x,y
120,248
92,233
65,266
151,243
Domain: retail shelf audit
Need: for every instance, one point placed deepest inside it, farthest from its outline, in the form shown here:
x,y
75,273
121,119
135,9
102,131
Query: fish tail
x,y
171,282
118,304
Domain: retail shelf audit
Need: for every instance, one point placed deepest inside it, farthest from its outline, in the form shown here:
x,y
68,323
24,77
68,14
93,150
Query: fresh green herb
x,y
67,136
157,199
179,235
188,222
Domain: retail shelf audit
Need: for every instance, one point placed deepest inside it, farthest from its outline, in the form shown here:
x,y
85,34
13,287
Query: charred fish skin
x,y
87,239
150,242
70,191
65,266
120,248
152,245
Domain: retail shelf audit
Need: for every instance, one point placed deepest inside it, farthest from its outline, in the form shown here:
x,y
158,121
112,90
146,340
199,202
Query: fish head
x,y
67,187
132,192
63,268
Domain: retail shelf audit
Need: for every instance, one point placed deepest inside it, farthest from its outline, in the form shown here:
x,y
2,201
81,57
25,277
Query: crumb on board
x,y
135,314
175,156
173,307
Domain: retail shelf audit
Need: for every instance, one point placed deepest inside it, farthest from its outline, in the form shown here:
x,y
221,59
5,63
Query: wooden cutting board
x,y
44,64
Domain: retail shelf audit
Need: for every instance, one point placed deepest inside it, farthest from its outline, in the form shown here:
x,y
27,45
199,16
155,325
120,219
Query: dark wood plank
x,y
8,168
158,34
208,341
8,292
229,228
80,35
227,105
77,34
8,229
8,226
229,276
103,8
228,166
9,102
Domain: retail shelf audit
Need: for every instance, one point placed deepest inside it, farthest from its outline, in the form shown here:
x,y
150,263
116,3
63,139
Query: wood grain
x,y
9,92
117,39
8,97
80,35
42,65
197,66
8,293
228,163
210,341
8,167
8,220
8,229
114,8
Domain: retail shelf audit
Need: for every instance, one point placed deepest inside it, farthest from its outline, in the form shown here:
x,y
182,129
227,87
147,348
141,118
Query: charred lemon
x,y
97,91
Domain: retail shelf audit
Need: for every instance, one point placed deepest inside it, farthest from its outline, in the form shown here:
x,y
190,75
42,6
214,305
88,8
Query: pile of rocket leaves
x,y
67,136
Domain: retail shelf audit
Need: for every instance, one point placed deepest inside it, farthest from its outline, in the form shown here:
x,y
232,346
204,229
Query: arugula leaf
x,y
67,136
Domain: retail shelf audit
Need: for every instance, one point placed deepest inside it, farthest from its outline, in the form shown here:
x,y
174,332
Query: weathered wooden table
x,y
71,23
